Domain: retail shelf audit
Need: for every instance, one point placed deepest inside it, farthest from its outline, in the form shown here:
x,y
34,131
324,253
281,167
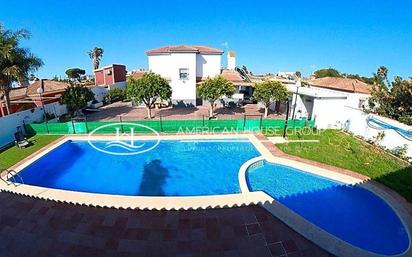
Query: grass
x,y
12,155
339,149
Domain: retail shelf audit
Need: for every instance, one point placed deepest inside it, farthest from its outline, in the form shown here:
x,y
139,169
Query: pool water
x,y
351,213
173,168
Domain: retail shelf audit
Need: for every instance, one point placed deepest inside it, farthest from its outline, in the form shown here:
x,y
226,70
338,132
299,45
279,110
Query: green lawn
x,y
12,155
342,150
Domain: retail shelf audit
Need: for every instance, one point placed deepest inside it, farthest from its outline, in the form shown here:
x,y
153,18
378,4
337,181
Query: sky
x,y
268,36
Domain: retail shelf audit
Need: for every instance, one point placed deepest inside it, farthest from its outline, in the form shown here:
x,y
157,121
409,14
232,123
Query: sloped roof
x,y
48,86
342,84
137,74
18,93
232,75
184,49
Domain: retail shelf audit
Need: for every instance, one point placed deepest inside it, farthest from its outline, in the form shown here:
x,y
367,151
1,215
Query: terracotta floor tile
x,y
33,227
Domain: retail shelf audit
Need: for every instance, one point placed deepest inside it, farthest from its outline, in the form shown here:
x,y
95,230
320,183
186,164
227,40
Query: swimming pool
x,y
172,168
351,213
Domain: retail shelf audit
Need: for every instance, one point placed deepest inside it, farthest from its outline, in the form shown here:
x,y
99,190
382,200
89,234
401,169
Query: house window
x,y
184,73
362,103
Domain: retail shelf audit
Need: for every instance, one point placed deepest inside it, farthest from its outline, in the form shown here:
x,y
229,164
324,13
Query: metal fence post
x,y
121,123
287,118
260,125
161,123
87,127
74,130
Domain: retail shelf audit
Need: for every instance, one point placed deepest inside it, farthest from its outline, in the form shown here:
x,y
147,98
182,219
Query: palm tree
x,y
96,54
16,62
383,72
381,76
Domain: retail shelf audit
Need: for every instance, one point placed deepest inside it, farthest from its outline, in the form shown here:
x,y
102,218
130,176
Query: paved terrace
x,y
128,112
33,227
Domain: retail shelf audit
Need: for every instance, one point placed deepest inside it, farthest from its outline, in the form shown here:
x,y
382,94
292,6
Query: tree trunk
x,y
149,112
277,107
211,109
7,102
266,111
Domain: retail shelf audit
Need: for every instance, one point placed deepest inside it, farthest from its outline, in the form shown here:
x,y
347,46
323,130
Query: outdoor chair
x,y
20,140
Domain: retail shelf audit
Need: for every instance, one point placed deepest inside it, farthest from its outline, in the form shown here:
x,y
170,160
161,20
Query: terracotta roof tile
x,y
185,49
49,86
18,93
342,84
138,74
232,75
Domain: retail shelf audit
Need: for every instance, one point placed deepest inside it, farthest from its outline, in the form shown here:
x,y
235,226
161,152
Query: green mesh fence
x,y
164,126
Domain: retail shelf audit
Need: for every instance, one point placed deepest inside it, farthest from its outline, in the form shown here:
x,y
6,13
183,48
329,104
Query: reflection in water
x,y
153,180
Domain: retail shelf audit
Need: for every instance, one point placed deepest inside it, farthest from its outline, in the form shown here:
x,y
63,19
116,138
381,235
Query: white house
x,y
184,66
356,91
328,100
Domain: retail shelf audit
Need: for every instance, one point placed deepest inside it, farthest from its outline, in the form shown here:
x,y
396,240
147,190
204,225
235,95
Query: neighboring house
x,y
356,91
238,77
137,74
27,97
110,76
106,78
184,66
327,100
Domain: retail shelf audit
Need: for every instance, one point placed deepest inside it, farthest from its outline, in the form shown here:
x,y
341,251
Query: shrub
x,y
401,152
115,95
406,119
75,97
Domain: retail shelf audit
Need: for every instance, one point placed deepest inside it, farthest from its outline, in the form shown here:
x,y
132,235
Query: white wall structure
x,y
322,106
356,121
183,66
231,60
56,109
99,92
9,123
356,92
326,106
122,84
340,110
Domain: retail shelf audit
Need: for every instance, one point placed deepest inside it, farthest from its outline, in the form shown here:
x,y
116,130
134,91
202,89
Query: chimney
x,y
231,60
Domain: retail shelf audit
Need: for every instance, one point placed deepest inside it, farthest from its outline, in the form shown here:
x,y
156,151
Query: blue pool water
x,y
173,168
351,213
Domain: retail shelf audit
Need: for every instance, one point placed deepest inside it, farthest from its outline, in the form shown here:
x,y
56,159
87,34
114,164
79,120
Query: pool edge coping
x,y
319,236
132,202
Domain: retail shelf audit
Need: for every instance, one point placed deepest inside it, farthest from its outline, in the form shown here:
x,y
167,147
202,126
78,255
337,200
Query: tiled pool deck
x,y
34,227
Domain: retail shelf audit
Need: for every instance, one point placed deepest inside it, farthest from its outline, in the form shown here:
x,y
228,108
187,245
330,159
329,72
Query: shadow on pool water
x,y
153,180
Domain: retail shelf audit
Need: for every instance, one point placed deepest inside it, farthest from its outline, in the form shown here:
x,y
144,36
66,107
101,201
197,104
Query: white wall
x,y
168,66
357,124
122,84
208,65
9,123
352,98
328,113
99,92
56,109
199,65
231,62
